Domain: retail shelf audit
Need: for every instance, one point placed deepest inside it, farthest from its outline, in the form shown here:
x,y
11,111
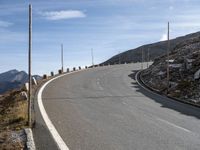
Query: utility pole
x,y
142,60
29,65
62,58
168,49
92,57
148,58
119,58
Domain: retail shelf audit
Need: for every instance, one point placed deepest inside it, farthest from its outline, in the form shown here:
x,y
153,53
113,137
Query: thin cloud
x,y
63,14
164,37
5,24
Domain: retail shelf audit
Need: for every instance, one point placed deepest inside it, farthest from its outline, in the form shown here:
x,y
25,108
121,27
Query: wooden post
x,y
29,65
142,60
168,49
148,59
119,58
92,57
62,58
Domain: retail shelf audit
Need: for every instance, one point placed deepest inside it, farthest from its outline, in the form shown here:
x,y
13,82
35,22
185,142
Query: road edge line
x,y
57,138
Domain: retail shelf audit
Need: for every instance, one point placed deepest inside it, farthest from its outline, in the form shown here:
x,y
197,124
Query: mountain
x,y
14,76
37,77
13,79
155,50
6,86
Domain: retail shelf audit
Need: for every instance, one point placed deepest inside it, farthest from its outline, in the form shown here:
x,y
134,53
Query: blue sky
x,y
107,26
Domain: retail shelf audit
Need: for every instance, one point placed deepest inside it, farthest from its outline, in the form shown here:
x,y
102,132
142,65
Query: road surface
x,y
105,109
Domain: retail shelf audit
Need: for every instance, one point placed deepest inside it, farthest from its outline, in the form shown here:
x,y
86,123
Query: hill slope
x,y
155,50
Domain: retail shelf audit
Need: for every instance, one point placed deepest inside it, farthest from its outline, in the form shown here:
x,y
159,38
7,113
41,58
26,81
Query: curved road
x,y
105,109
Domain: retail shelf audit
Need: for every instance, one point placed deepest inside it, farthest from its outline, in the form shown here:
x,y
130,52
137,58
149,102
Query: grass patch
x,y
13,112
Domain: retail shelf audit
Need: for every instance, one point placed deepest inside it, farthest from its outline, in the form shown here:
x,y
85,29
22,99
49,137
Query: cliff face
x,y
184,71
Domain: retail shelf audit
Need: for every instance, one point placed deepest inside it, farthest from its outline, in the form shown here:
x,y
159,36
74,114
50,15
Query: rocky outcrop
x,y
184,66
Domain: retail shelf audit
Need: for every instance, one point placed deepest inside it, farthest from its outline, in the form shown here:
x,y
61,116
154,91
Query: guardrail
x,y
68,70
142,83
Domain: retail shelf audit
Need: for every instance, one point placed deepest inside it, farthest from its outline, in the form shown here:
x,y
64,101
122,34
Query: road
x,y
105,109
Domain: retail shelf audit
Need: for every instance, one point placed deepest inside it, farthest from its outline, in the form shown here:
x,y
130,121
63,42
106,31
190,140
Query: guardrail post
x,y
45,76
60,71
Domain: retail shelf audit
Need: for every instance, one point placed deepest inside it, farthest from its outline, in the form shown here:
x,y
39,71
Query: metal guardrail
x,y
139,79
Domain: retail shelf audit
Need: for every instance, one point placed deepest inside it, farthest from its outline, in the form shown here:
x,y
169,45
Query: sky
x,y
106,26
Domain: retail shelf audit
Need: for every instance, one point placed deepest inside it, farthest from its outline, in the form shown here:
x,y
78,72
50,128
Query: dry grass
x,y
13,118
13,111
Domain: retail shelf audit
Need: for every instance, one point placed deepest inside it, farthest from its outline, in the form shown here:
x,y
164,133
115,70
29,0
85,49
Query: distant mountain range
x,y
13,79
155,50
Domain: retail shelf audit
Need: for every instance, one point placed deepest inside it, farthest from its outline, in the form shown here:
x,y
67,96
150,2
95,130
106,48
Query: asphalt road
x,y
105,109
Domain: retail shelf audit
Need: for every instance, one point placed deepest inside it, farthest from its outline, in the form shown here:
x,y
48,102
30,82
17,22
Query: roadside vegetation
x,y
13,118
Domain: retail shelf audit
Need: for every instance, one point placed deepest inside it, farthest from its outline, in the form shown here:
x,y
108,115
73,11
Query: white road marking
x,y
167,122
174,125
57,138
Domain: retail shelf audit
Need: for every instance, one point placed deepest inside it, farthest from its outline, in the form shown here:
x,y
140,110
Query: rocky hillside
x,y
13,79
184,71
155,50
